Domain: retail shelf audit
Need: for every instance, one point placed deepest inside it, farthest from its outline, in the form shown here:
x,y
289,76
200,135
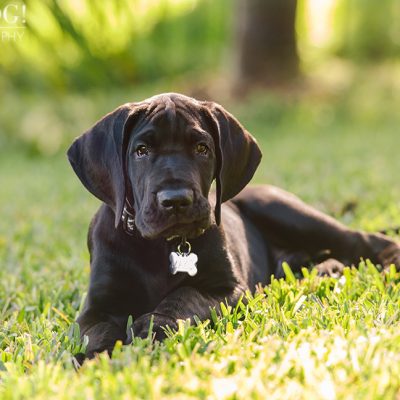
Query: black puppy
x,y
156,249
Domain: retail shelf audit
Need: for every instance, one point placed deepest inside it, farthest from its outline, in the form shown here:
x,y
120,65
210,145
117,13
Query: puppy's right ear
x,y
97,159
237,154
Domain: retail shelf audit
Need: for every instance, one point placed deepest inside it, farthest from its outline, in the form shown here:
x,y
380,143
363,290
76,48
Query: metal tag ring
x,y
189,248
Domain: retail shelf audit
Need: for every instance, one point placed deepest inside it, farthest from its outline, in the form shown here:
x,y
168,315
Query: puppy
x,y
163,246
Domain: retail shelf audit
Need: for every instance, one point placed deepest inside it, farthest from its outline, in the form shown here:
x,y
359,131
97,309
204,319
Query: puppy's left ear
x,y
97,157
237,154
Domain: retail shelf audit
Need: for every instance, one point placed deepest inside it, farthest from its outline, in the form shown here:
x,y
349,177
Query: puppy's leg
x,y
325,265
183,303
102,330
291,224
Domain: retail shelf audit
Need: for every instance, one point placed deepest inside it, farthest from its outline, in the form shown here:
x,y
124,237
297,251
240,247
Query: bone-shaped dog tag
x,y
183,263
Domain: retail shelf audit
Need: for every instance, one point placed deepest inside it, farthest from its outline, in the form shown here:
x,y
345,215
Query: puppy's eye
x,y
201,148
142,150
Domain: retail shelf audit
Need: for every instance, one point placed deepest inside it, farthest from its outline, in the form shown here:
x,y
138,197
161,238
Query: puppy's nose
x,y
175,199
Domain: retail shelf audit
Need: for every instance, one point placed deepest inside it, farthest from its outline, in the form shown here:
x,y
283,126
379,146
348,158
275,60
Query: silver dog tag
x,y
183,263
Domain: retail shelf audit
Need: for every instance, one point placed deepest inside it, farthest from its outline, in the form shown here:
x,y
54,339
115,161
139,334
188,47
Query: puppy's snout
x,y
175,199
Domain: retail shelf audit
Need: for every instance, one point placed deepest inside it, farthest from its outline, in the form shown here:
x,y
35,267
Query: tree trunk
x,y
266,43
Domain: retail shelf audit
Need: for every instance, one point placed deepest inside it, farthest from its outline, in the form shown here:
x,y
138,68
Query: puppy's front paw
x,y
140,327
330,267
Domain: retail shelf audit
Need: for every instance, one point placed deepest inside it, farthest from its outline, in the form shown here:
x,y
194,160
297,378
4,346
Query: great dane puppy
x,y
163,246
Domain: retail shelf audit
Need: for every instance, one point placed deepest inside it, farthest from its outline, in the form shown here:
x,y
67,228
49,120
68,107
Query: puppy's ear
x,y
237,153
97,157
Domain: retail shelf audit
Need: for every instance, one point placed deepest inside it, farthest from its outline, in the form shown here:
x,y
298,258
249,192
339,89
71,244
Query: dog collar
x,y
128,218
181,260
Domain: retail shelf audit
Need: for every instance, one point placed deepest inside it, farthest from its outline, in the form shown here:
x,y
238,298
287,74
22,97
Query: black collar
x,y
128,218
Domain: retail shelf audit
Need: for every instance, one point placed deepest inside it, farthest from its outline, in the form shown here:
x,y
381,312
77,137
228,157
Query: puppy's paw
x,y
390,255
330,267
140,327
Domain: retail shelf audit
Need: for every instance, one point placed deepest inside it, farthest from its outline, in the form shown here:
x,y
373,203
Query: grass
x,y
319,338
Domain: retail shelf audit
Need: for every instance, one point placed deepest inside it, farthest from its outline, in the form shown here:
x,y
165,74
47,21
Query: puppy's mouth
x,y
155,223
184,230
190,230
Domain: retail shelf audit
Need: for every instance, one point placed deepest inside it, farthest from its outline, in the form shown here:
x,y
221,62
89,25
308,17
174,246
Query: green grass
x,y
314,338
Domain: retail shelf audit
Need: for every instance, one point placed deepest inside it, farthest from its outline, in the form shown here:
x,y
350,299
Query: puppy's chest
x,y
150,282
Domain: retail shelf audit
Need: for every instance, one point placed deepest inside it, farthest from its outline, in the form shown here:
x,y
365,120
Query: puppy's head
x,y
161,155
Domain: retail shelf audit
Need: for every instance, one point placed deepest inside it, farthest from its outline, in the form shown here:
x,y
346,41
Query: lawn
x,y
319,338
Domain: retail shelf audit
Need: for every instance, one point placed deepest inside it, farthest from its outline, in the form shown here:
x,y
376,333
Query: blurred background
x,y
316,81
80,58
